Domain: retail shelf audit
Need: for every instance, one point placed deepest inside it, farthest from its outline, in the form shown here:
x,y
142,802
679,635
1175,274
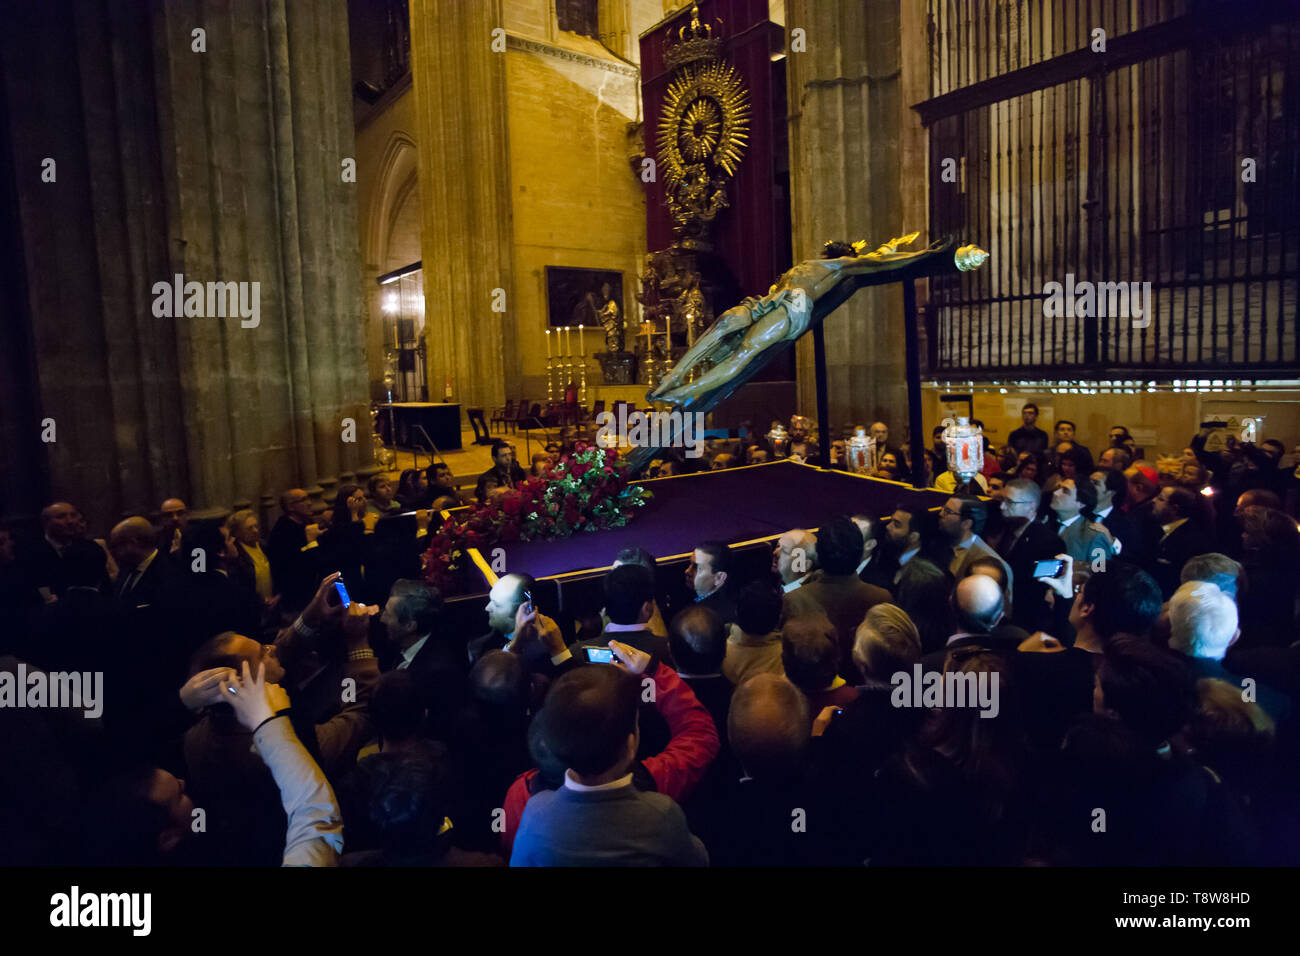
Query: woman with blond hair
x,y
253,567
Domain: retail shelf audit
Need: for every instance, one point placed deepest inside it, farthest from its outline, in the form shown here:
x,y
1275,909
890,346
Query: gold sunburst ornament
x,y
703,130
705,119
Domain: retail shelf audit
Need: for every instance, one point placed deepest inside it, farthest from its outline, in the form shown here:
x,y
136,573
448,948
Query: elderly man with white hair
x,y
794,557
1202,626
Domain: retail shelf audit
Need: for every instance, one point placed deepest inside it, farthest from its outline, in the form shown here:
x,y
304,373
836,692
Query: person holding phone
x,y
597,817
1022,543
629,604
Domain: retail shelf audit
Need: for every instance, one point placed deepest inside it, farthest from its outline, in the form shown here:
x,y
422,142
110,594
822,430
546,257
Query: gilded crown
x,y
693,41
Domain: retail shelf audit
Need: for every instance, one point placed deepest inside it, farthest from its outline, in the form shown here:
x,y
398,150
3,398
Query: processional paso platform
x,y
747,337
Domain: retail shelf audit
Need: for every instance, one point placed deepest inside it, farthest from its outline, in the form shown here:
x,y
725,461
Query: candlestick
x,y
582,345
548,343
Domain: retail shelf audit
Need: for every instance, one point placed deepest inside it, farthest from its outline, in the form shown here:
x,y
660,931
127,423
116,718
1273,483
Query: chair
x,y
506,415
476,421
521,412
531,422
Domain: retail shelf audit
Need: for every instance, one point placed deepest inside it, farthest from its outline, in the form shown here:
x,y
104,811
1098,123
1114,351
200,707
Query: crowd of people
x,y
300,697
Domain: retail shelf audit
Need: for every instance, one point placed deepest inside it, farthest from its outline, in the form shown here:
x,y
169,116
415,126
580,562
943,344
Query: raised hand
x,y
253,700
629,658
320,609
206,688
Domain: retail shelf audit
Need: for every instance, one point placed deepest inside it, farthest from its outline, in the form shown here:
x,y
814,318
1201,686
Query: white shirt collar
x,y
908,556
624,627
1066,524
794,585
408,655
571,784
865,561
1103,514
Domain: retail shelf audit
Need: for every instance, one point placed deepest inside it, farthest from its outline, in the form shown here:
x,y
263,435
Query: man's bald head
x,y
131,541
60,521
1258,497
978,601
796,554
769,726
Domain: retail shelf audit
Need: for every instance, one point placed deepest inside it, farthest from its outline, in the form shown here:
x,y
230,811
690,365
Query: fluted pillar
x,y
220,164
461,132
847,182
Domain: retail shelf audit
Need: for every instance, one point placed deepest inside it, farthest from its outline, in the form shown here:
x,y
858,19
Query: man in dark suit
x,y
175,522
746,820
1022,543
1112,491
154,603
873,568
629,603
1183,537
1140,500
504,600
291,567
708,577
1202,626
223,602
61,525
835,589
698,638
505,471
143,581
978,601
411,618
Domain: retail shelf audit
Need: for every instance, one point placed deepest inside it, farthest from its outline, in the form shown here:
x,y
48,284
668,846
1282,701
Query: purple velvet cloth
x,y
731,505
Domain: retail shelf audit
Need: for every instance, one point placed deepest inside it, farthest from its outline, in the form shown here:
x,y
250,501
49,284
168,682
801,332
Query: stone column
x,y
847,182
222,164
461,132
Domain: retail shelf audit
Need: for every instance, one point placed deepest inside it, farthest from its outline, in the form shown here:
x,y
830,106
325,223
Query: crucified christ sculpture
x,y
748,336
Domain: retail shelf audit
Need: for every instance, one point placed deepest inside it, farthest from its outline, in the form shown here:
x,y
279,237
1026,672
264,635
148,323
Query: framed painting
x,y
576,296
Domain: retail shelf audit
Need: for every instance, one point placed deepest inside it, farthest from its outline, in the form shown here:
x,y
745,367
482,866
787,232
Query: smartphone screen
x,y
1048,569
528,603
342,591
600,655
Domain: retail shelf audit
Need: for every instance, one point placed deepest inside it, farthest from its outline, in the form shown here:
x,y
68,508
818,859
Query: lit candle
x,y
582,346
548,345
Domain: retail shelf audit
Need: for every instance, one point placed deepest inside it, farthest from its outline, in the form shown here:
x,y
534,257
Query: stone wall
x,y
219,164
